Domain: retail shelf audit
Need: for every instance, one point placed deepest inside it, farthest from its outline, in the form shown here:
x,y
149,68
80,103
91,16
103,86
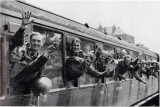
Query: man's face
x,y
128,60
154,65
109,58
123,54
36,42
15,55
76,46
88,62
103,58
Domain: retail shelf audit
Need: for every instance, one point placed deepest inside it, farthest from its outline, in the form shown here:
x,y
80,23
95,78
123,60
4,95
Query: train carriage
x,y
89,92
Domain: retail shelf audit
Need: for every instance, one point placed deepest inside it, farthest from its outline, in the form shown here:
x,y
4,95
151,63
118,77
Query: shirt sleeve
x,y
96,73
19,37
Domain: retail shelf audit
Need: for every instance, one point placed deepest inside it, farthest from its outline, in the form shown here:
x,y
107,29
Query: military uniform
x,y
122,68
75,67
32,69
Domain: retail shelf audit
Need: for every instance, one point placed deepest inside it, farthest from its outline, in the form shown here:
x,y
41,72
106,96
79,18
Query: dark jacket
x,y
33,69
18,39
75,67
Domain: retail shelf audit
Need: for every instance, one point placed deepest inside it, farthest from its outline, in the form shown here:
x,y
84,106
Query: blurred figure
x,y
16,64
106,63
122,54
16,54
127,65
151,69
76,67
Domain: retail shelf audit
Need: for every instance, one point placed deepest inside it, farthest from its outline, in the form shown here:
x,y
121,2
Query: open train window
x,y
120,52
149,57
79,49
133,54
53,69
154,58
110,50
26,56
143,57
87,46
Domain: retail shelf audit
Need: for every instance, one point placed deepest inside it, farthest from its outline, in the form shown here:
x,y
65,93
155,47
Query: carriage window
x,y
154,59
109,49
53,69
143,57
109,65
134,55
82,47
23,56
148,58
117,51
87,46
79,47
120,52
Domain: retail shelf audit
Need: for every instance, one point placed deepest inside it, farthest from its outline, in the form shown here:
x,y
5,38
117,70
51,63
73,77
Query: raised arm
x,y
19,35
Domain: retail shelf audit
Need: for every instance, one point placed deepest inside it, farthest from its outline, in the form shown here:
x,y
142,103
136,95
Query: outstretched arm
x,y
35,67
31,70
97,74
139,78
19,35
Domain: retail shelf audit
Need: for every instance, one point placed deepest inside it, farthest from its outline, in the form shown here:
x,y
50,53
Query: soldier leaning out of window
x,y
33,59
127,65
106,63
76,67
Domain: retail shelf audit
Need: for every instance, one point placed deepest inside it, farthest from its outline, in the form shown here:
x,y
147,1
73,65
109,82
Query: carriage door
x,y
15,98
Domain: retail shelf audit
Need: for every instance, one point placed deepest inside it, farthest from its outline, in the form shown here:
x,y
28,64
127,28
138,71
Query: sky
x,y
140,19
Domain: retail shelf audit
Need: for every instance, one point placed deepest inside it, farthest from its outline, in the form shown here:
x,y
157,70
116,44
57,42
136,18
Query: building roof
x,y
118,31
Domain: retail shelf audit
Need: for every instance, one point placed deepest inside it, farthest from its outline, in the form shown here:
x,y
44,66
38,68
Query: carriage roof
x,y
38,13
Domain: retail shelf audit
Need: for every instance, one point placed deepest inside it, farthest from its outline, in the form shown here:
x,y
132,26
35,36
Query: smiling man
x,y
33,59
76,48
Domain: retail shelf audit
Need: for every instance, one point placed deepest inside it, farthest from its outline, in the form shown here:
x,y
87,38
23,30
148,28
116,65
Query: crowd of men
x,y
27,63
106,66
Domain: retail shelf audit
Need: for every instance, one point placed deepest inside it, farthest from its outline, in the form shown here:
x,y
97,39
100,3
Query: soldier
x,y
76,67
34,59
15,64
106,62
127,65
151,69
122,54
76,48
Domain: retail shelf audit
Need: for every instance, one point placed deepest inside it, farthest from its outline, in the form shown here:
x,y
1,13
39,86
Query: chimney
x,y
100,28
105,30
113,30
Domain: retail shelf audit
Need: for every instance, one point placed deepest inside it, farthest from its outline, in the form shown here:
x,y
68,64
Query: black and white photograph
x,y
79,53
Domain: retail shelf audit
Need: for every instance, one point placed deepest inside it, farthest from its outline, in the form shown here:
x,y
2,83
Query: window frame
x,y
63,48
